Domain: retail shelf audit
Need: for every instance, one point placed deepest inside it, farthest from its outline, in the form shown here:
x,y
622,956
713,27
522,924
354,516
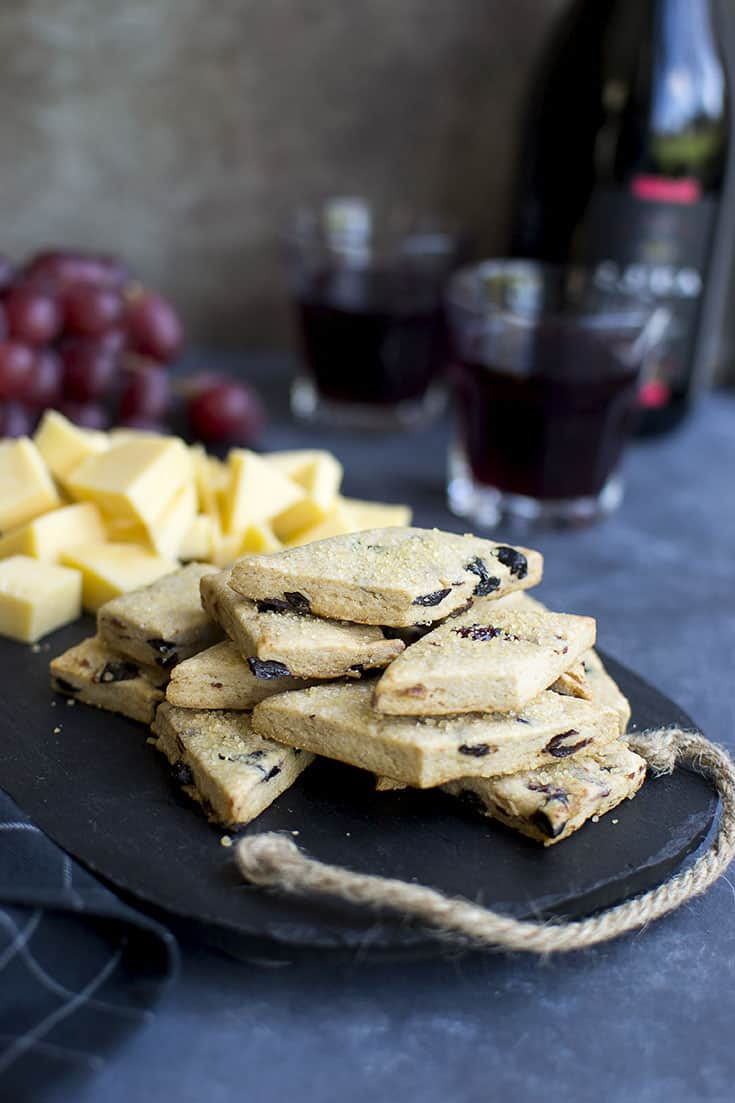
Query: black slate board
x,y
104,795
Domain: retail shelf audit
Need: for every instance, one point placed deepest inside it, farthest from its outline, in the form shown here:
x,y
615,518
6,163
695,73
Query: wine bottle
x,y
623,165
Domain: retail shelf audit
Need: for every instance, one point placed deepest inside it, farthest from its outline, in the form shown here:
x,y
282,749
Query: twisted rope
x,y
275,861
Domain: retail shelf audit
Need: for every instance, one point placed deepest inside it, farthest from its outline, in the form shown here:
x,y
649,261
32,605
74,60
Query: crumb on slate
x,y
225,841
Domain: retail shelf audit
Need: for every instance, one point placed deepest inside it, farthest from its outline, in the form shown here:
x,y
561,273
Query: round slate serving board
x,y
101,792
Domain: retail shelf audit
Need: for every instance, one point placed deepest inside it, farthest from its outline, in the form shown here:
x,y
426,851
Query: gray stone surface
x,y
178,132
647,1019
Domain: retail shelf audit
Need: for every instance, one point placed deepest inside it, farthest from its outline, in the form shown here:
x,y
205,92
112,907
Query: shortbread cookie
x,y
604,690
573,682
163,623
279,640
95,674
219,678
218,761
485,660
338,721
392,576
550,803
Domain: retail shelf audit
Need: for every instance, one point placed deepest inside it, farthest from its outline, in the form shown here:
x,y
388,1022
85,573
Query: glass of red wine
x,y
545,372
368,286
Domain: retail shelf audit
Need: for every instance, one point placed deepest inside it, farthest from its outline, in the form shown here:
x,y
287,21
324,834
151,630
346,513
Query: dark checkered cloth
x,y
78,968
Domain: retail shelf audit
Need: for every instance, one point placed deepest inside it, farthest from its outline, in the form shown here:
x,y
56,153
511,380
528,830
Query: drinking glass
x,y
368,285
545,371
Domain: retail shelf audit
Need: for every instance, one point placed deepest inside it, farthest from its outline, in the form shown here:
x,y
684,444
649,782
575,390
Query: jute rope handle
x,y
273,860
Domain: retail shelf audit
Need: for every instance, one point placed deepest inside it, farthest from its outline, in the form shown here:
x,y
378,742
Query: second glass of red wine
x,y
368,286
546,368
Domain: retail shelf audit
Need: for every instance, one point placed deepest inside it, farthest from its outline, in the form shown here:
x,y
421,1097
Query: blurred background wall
x,y
178,132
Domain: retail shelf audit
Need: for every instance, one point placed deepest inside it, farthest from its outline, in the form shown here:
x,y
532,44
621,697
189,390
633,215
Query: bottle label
x,y
654,241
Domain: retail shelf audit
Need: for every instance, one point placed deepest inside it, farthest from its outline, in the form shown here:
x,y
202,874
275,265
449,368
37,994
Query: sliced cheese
x,y
134,480
64,445
47,536
26,488
167,531
198,540
36,598
256,491
109,570
316,470
338,522
377,515
259,538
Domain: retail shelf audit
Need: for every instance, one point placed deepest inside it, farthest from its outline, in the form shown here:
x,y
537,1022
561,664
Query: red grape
x,y
226,411
16,365
7,273
15,420
154,328
144,424
63,269
90,415
92,311
146,394
43,386
32,315
90,370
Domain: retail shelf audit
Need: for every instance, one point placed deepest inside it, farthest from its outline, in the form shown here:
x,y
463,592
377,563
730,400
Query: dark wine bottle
x,y
623,165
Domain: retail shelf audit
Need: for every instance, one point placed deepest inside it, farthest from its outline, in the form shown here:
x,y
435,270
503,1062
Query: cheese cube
x,y
169,528
36,598
64,445
317,471
226,548
134,480
259,538
198,540
301,515
47,536
120,530
26,488
256,491
338,522
109,570
376,515
211,477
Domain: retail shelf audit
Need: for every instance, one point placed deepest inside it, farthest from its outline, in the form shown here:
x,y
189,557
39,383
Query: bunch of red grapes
x,y
79,335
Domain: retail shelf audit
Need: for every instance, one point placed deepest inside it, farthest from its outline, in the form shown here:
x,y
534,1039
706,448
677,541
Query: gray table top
x,y
648,1018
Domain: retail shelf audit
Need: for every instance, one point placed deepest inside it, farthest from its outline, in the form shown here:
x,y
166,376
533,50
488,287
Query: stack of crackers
x,y
414,654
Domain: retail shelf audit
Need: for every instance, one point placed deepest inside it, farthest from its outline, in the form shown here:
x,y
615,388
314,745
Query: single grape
x,y
64,269
90,370
226,411
7,273
43,386
146,394
153,327
15,420
90,415
92,311
114,340
16,365
32,315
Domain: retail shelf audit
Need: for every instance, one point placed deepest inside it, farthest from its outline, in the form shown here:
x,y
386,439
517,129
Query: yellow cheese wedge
x,y
258,539
134,480
109,570
301,515
167,531
338,522
47,536
211,477
26,488
64,445
317,471
198,540
377,515
256,491
36,598
226,548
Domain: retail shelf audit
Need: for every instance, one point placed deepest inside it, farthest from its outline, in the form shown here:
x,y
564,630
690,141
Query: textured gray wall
x,y
178,132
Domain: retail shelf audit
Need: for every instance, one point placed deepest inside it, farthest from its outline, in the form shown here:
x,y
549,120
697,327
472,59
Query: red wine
x,y
555,431
381,343
623,166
